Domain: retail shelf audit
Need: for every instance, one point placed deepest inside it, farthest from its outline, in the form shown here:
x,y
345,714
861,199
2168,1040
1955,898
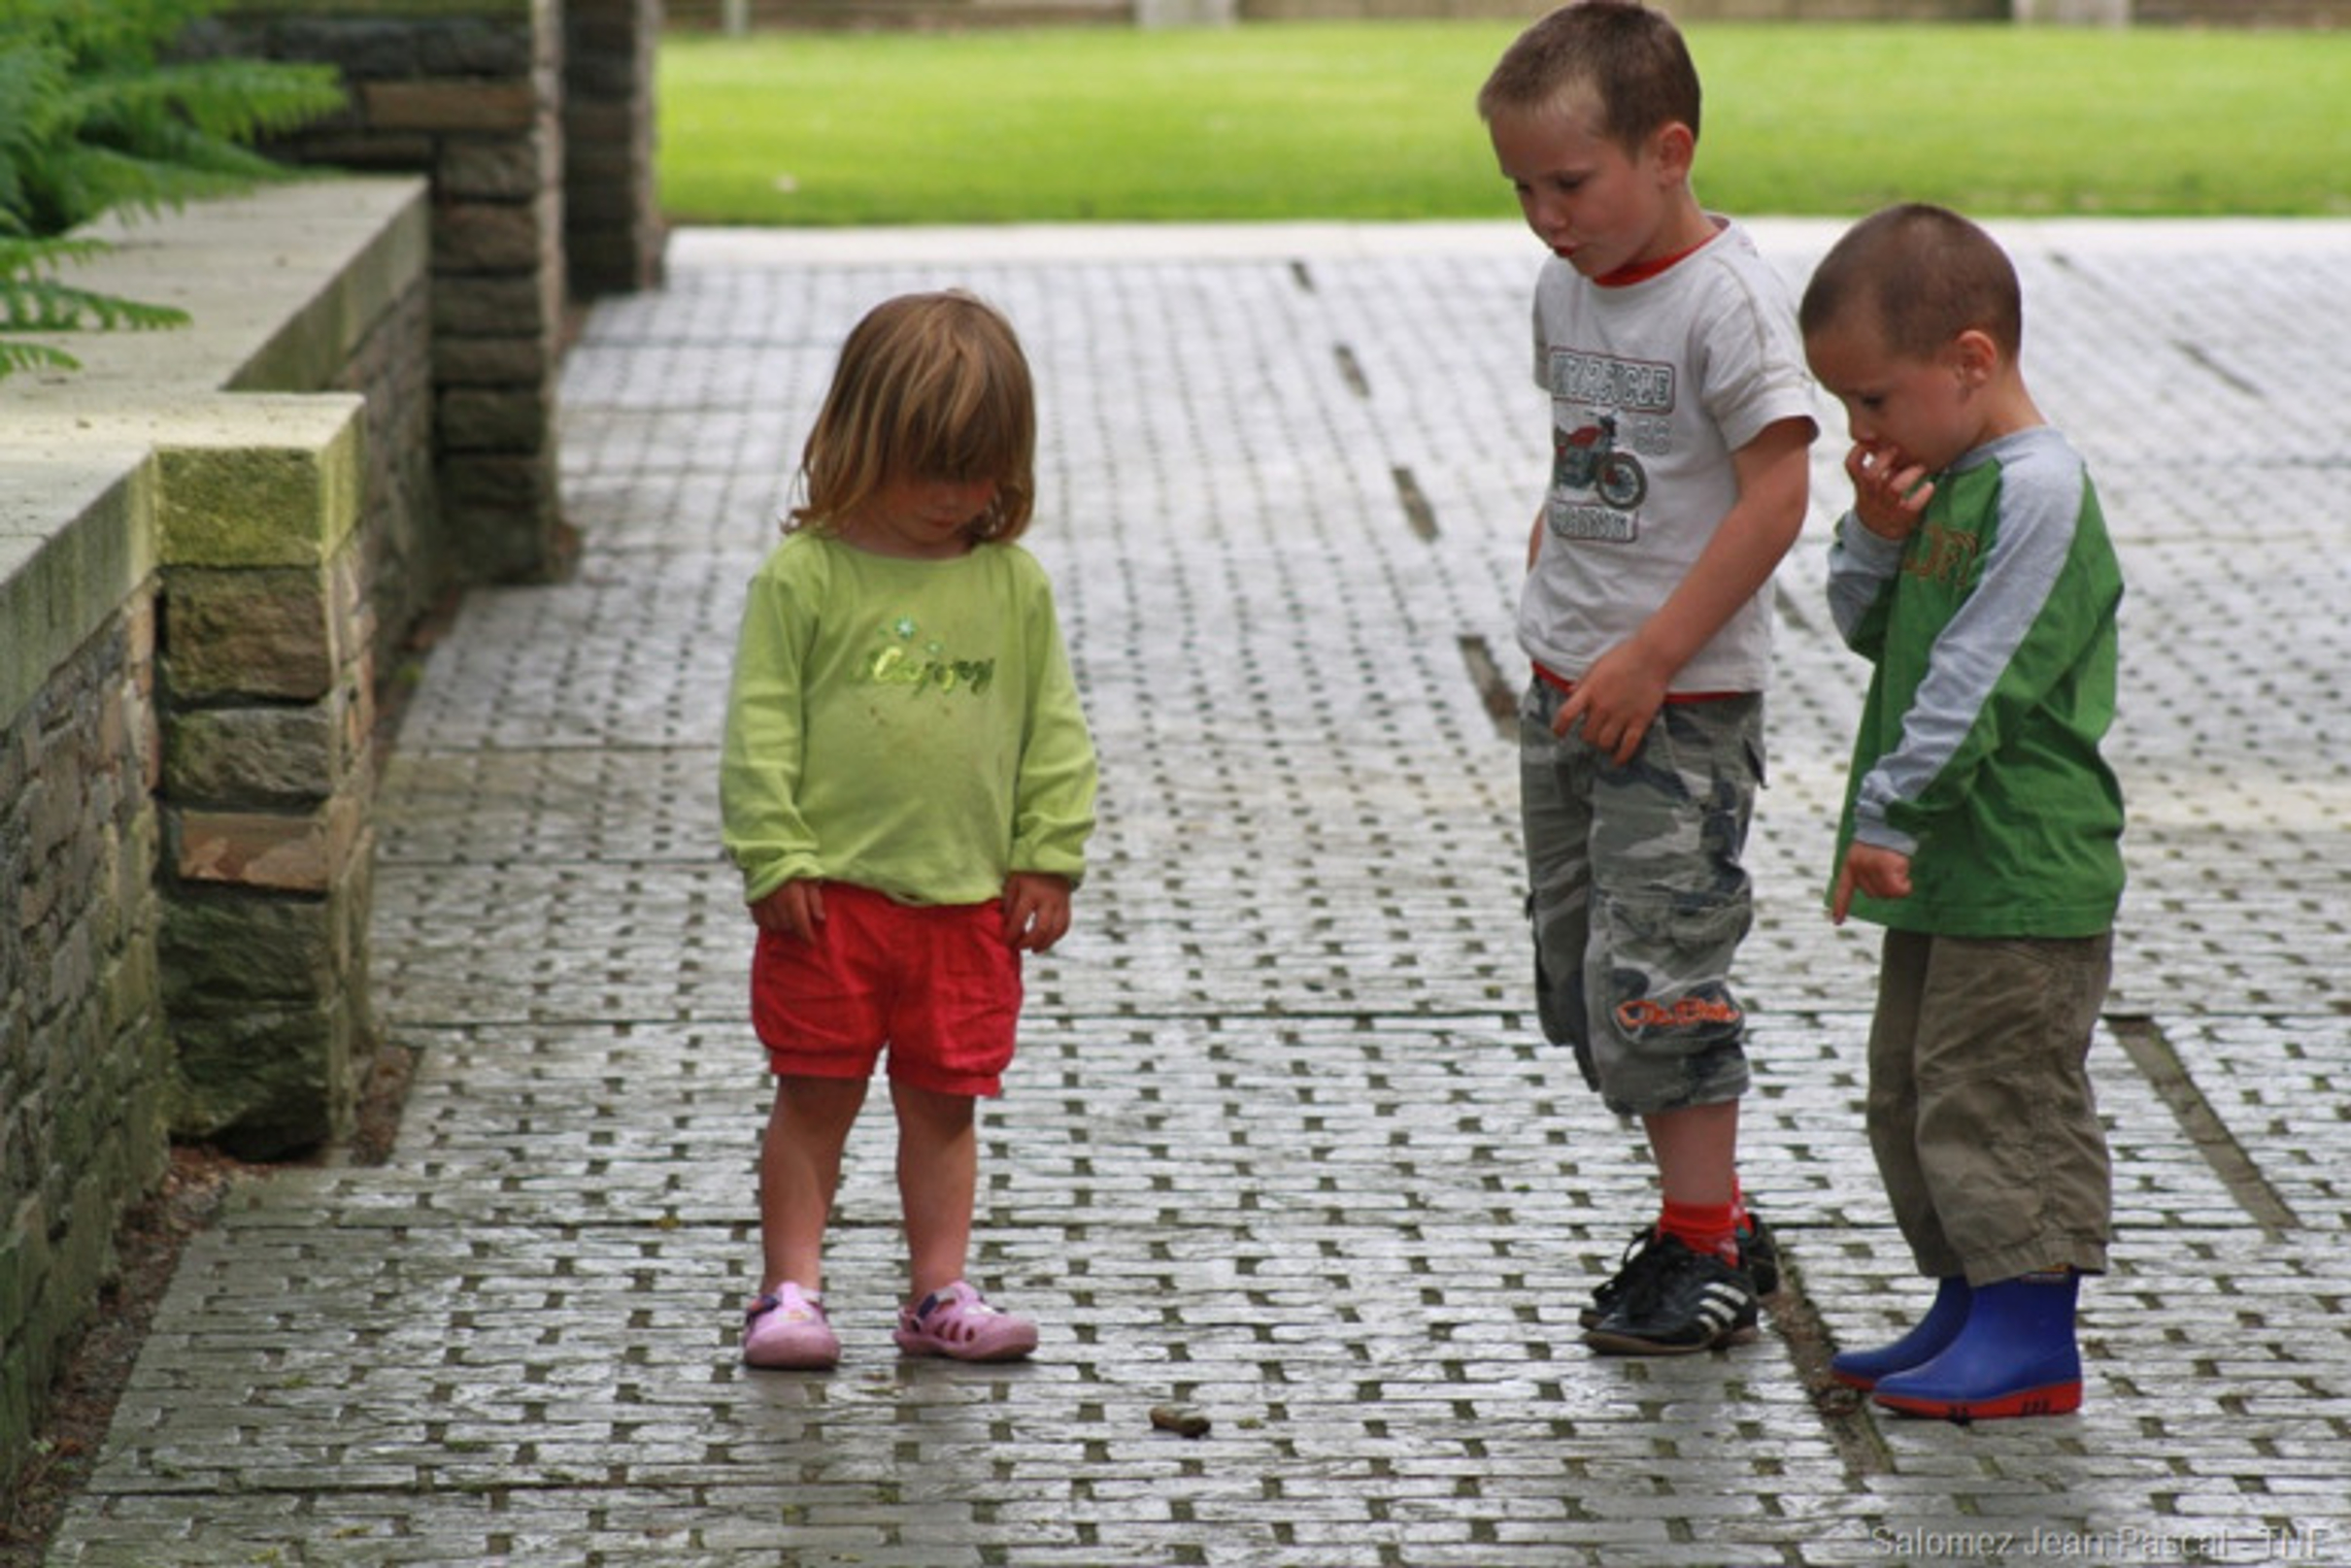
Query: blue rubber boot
x,y
2015,1356
1862,1369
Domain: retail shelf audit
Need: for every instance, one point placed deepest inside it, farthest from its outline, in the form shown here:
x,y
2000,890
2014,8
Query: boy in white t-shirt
x,y
1681,418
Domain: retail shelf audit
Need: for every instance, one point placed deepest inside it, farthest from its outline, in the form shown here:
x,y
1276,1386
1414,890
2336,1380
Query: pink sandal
x,y
788,1330
957,1322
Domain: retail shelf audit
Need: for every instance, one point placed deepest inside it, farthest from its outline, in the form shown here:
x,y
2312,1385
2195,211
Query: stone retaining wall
x,y
209,539
211,543
533,122
468,96
81,1116
611,219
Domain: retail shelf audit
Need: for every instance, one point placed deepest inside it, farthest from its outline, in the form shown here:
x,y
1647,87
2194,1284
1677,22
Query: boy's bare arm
x,y
1620,695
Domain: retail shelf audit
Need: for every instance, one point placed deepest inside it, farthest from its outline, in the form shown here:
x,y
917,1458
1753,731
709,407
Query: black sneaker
x,y
1676,1301
1640,1255
1759,1255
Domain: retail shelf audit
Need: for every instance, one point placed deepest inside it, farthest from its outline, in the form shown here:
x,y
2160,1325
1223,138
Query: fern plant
x,y
33,300
95,117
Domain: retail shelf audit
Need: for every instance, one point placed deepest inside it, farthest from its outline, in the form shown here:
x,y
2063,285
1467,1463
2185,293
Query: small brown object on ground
x,y
1181,1421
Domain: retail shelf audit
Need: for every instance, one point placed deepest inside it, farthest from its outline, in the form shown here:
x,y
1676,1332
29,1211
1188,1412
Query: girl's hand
x,y
1890,491
1037,910
794,909
1879,873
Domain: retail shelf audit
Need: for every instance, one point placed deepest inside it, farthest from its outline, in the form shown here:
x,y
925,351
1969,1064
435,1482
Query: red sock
x,y
1703,1228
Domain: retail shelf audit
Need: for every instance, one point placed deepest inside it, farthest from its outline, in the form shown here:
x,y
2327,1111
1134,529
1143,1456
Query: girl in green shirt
x,y
907,785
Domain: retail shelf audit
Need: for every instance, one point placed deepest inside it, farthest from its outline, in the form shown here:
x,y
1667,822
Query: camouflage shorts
x,y
1638,899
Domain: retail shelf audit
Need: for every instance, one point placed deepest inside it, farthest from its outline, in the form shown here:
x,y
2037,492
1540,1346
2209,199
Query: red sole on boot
x,y
2051,1399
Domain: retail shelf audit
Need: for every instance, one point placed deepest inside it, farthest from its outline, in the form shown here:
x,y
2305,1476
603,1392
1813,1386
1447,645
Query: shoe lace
x,y
1647,1261
1643,1242
1665,1264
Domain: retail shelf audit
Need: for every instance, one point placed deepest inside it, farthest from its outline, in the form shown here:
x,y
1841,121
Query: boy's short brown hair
x,y
1925,275
1631,58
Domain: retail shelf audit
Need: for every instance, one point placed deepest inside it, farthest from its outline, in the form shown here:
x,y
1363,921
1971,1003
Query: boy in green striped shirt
x,y
1981,826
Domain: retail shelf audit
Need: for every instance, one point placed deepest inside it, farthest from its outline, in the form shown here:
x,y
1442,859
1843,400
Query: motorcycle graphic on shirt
x,y
1588,459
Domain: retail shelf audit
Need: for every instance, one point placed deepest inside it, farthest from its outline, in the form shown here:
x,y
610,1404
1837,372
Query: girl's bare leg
x,y
938,1181
799,1170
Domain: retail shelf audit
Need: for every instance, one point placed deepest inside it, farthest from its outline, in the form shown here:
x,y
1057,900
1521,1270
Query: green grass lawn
x,y
1376,120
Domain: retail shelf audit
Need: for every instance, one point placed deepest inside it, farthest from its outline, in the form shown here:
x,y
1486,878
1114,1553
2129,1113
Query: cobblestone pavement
x,y
1281,1147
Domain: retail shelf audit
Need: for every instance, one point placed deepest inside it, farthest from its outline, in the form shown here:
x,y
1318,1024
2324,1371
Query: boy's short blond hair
x,y
1630,57
928,386
1925,275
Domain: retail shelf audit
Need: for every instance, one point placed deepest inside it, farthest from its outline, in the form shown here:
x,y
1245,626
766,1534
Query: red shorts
x,y
937,985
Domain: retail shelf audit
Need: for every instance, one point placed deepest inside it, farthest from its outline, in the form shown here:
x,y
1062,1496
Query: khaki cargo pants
x,y
1981,1112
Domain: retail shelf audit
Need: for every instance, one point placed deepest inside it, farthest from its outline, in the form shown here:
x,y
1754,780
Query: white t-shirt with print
x,y
1653,386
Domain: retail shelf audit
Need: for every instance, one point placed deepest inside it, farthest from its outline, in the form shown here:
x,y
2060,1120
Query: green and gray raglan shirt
x,y
1993,631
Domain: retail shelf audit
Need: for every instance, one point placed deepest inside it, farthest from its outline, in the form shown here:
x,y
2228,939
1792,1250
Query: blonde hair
x,y
928,386
1630,57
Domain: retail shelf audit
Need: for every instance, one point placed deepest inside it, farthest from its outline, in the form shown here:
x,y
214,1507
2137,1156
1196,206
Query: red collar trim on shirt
x,y
1640,272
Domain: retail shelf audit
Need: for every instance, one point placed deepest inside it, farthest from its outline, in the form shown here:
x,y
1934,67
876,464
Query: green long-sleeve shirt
x,y
1992,632
906,726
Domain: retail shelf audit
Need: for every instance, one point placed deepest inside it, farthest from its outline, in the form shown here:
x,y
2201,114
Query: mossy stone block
x,y
284,493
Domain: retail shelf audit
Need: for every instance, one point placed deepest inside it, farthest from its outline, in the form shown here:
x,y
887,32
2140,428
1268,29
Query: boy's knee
x,y
1652,1082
